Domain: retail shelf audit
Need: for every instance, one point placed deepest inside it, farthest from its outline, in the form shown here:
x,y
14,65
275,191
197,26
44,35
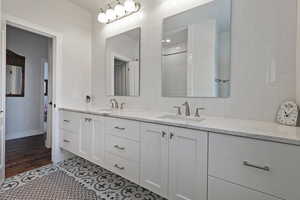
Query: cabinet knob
x,y
171,136
163,134
119,128
67,141
120,148
118,167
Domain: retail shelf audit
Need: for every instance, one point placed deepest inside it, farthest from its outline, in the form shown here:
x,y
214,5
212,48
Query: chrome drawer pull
x,y
120,148
118,167
122,129
67,121
67,141
266,168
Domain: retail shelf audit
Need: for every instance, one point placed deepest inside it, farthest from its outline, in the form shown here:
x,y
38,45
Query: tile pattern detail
x,y
26,177
107,185
56,186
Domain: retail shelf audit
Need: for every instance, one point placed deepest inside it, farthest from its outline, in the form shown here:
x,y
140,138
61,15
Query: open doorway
x,y
28,96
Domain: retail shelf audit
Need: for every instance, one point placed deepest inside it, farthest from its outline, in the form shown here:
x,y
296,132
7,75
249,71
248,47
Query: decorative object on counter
x,y
120,11
288,113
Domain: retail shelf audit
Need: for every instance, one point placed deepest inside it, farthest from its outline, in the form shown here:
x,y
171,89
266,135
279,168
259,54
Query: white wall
x,y
263,35
23,114
75,25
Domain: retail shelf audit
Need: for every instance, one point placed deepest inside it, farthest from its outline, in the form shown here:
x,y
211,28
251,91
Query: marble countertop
x,y
269,131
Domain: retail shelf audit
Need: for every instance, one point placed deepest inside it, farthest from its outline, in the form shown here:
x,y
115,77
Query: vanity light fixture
x,y
110,14
120,11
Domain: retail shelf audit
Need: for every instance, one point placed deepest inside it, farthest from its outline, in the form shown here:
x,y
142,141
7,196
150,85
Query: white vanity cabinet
x,y
185,164
122,147
91,140
86,136
69,126
83,135
222,190
98,140
155,158
269,167
174,162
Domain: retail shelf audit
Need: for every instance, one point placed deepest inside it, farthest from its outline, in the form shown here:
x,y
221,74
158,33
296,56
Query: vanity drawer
x,y
124,148
69,141
124,168
123,128
70,121
269,167
222,190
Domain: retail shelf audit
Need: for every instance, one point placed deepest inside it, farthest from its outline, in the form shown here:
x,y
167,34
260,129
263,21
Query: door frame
x,y
56,62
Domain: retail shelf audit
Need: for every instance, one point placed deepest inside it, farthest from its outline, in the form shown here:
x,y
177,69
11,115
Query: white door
x,y
188,164
98,140
154,158
2,102
85,138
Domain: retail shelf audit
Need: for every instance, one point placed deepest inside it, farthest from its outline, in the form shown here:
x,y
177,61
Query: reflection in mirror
x,y
196,52
15,74
123,64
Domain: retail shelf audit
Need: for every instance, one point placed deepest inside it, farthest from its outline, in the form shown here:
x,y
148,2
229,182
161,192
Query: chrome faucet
x,y
114,103
187,109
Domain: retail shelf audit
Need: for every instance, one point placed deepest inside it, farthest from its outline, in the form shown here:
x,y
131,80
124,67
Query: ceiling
x,y
90,5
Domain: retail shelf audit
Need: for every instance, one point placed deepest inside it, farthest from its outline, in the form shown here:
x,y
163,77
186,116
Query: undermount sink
x,y
181,118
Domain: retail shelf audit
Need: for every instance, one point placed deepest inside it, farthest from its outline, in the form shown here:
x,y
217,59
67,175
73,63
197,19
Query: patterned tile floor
x,y
107,185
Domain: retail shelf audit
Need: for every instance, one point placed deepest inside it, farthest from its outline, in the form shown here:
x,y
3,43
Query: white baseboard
x,y
22,134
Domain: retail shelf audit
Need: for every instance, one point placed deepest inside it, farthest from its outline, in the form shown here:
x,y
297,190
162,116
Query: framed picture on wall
x,y
15,74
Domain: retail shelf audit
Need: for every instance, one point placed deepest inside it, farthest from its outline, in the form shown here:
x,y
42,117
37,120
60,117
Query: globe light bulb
x,y
102,18
130,6
120,10
111,15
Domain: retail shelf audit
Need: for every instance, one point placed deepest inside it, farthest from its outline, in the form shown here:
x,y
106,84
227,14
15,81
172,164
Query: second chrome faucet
x,y
188,110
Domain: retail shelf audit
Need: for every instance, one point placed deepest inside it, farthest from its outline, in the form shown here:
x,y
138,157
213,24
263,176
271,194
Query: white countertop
x,y
269,131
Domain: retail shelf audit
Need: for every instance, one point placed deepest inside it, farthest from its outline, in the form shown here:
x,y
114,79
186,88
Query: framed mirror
x,y
15,74
196,51
123,64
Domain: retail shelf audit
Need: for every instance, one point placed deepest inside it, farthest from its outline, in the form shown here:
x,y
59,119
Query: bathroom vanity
x,y
211,159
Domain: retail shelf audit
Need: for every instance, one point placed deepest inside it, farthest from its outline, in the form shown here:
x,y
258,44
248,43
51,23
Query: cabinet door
x,y
98,140
154,158
221,190
85,138
188,164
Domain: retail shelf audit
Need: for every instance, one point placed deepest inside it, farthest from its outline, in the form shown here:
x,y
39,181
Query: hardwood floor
x,y
26,154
